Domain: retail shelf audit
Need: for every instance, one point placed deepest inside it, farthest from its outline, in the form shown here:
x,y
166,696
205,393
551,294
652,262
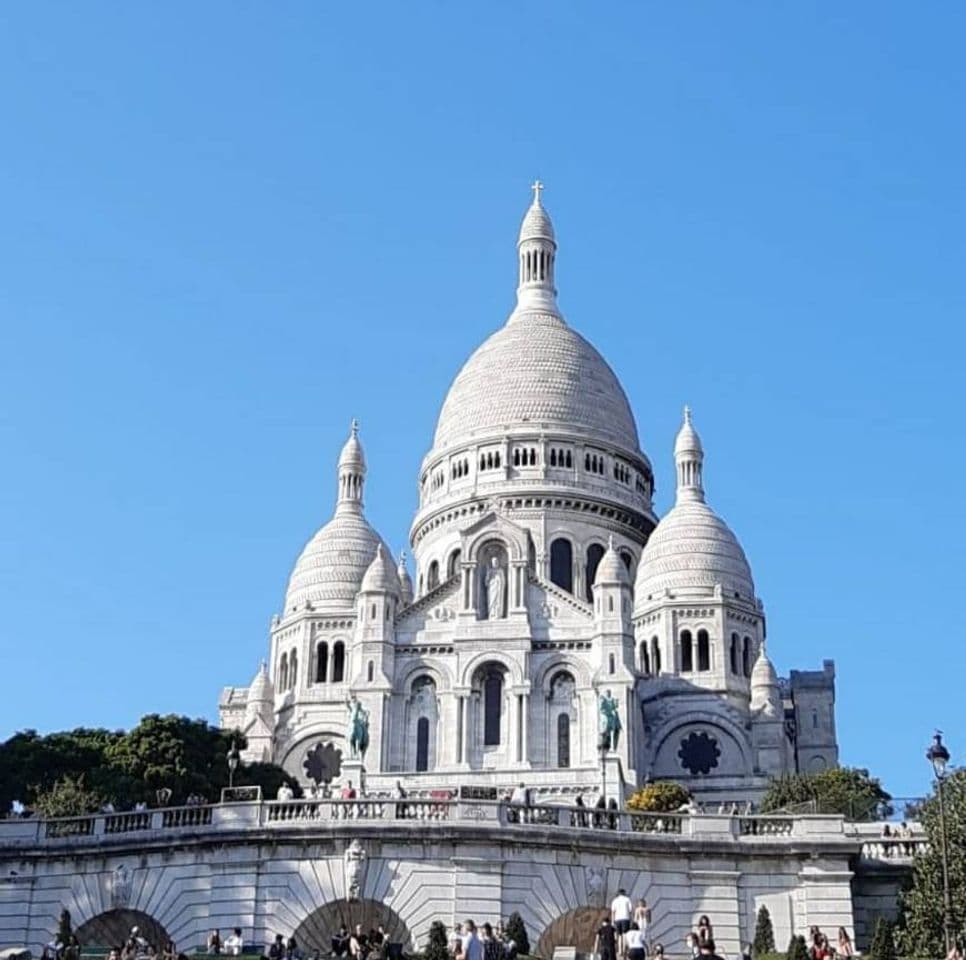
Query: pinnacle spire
x,y
537,253
689,460
352,473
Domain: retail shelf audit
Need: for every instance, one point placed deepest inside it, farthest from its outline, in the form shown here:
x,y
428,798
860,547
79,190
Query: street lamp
x,y
233,757
938,756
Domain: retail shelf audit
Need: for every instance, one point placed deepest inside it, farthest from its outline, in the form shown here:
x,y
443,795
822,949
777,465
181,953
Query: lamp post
x,y
233,757
938,756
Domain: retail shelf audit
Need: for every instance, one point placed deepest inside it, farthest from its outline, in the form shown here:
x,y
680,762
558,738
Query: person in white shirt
x,y
234,944
471,947
634,941
621,910
284,792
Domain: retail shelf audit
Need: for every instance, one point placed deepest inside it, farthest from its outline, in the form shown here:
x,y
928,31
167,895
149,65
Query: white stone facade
x,y
543,580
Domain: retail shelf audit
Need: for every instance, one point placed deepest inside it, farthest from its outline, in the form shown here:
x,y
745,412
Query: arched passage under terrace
x,y
113,927
315,932
576,928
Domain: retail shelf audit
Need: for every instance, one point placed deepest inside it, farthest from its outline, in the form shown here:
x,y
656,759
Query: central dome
x,y
536,372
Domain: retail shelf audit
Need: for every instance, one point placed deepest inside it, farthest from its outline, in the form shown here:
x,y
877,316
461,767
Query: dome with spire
x,y
329,571
611,568
765,692
260,689
405,581
381,577
692,550
536,371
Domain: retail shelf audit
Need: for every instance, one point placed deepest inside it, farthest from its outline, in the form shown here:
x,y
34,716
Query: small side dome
x,y
261,690
381,575
765,693
611,569
405,581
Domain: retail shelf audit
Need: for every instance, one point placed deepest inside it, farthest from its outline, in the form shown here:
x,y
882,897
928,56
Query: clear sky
x,y
227,228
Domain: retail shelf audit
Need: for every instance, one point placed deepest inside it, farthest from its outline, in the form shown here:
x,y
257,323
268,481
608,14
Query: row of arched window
x,y
524,457
562,565
649,657
490,461
322,664
689,649
535,266
438,478
560,458
740,656
460,468
432,571
288,672
594,463
621,472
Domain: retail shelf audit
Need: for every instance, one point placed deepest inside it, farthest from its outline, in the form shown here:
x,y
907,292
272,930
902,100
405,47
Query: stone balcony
x,y
215,821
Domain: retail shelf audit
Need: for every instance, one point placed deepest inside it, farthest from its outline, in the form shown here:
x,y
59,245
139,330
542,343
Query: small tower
x,y
377,603
689,460
612,594
352,473
772,756
259,724
405,581
537,250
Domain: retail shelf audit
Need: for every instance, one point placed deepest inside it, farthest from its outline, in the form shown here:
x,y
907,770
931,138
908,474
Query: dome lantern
x,y
352,473
689,459
537,253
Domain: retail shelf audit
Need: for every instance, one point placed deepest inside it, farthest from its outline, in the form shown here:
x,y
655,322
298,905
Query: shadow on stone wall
x,y
113,927
316,930
577,928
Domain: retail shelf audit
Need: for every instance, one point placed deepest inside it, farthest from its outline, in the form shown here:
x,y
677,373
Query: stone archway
x,y
316,930
576,928
113,927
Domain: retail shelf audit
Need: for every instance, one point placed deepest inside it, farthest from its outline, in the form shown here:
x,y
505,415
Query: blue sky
x,y
227,228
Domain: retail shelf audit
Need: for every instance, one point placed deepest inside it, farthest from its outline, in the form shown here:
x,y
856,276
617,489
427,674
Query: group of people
x,y
483,942
820,948
232,946
623,931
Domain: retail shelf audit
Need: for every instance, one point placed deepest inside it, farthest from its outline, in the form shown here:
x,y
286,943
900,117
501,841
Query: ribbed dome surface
x,y
381,575
329,571
536,224
260,688
692,548
536,370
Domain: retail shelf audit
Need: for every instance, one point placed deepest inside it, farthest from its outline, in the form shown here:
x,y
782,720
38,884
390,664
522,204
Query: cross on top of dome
x,y
537,187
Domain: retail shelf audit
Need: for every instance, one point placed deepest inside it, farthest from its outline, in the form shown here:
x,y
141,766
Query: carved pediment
x,y
494,525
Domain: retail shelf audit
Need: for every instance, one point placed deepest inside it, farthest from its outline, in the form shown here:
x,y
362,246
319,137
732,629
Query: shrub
x,y
883,940
764,933
661,797
517,932
797,949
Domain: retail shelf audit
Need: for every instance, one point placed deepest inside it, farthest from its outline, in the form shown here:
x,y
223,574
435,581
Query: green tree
x,y
846,790
883,942
797,949
921,907
436,946
660,797
517,932
764,933
68,798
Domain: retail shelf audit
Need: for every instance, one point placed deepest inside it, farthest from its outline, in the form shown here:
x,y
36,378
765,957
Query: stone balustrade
x,y
297,814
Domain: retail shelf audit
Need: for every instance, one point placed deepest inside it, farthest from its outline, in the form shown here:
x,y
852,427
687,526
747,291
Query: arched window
x,y
656,655
293,670
283,672
746,657
492,707
627,560
645,660
422,744
370,671
562,564
338,662
432,576
570,459
453,564
704,651
321,662
611,664
687,652
734,654
595,553
516,457
563,740
553,457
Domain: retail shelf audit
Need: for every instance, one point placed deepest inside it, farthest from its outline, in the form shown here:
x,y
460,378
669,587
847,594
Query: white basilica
x,y
544,586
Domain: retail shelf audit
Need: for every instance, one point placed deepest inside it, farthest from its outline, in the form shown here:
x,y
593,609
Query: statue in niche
x,y
120,887
354,862
495,581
